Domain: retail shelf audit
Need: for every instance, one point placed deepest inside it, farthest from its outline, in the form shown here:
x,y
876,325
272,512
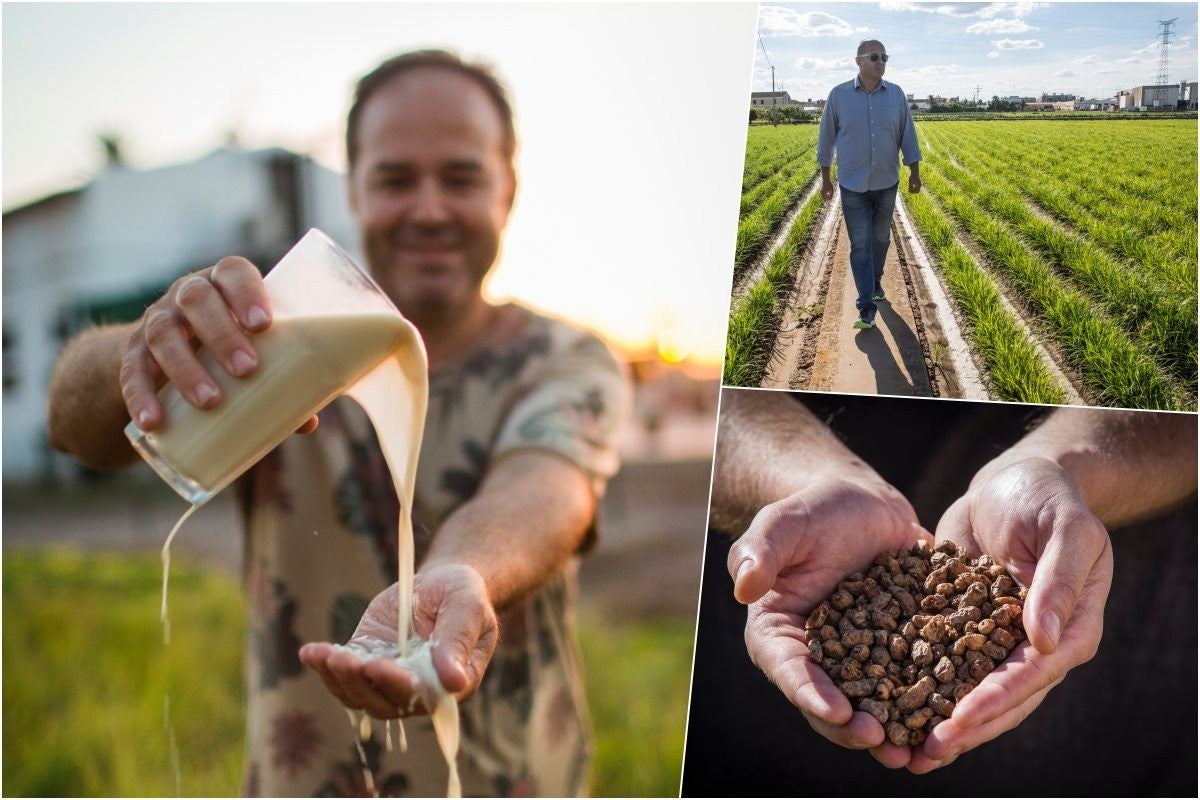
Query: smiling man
x,y
866,122
518,445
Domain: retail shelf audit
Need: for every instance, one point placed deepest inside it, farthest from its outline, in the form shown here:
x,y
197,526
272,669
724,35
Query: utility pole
x,y
772,66
1161,79
774,118
977,88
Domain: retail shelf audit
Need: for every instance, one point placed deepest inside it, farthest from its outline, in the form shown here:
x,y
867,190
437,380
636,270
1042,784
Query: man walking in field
x,y
867,122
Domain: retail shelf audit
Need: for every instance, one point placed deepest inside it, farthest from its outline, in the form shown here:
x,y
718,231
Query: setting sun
x,y
674,345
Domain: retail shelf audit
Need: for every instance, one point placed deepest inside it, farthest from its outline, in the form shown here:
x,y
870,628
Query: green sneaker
x,y
864,324
878,297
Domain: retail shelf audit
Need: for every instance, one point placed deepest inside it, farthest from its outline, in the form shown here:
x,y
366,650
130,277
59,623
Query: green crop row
x,y
1136,231
1115,371
1014,369
1161,322
754,317
770,150
754,231
1144,180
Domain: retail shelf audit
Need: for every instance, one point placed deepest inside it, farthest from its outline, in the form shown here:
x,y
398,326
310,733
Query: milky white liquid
x,y
304,362
394,396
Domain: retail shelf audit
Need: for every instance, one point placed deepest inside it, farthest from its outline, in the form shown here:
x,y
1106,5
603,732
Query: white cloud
x,y
963,10
809,64
1066,73
933,71
1018,44
1091,59
780,21
1024,9
945,9
1107,72
994,54
1000,26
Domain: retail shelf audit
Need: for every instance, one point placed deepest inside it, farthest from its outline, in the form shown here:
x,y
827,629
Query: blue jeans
x,y
869,225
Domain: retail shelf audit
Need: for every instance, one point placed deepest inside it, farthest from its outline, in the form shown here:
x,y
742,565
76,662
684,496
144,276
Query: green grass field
x,y
86,675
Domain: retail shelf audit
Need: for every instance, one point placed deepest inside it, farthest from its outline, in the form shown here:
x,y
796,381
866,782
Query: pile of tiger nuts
x,y
910,638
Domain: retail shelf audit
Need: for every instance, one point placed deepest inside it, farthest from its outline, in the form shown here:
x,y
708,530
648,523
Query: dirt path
x,y
915,348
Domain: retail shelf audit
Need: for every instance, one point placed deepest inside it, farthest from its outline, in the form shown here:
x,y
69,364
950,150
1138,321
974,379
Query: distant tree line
x,y
967,106
781,115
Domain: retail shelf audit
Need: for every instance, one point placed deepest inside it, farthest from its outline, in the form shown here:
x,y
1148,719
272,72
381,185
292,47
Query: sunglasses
x,y
876,57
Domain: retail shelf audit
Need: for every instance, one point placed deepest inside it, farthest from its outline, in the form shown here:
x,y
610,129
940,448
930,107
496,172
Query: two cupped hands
x,y
1025,513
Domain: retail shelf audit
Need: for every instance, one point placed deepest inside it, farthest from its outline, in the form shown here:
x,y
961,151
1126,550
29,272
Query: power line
x,y
764,49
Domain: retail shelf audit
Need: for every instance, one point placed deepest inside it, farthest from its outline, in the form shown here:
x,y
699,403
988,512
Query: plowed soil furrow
x,y
907,353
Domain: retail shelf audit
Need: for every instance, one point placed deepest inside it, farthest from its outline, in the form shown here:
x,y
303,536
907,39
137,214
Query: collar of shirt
x,y
858,84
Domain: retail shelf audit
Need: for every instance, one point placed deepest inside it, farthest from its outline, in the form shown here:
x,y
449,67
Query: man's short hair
x,y
424,59
863,45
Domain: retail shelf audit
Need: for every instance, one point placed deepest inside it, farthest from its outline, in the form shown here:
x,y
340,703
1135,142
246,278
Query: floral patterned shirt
x,y
321,517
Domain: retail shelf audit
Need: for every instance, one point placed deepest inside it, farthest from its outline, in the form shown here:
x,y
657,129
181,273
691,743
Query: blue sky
x,y
1088,49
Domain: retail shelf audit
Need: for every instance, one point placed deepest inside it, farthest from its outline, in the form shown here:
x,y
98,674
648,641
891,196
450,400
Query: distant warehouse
x,y
1161,97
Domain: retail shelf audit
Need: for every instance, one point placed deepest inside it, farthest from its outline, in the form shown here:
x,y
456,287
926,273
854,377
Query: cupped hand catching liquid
x,y
451,611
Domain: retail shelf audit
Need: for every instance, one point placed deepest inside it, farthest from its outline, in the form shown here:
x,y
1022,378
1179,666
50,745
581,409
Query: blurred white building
x,y
102,252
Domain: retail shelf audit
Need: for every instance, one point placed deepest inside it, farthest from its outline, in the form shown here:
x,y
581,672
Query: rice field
x,y
1088,228
780,172
1064,242
780,166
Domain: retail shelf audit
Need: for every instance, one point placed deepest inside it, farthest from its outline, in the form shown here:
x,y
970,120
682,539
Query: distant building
x,y
768,99
1186,100
1158,97
919,105
1055,98
104,251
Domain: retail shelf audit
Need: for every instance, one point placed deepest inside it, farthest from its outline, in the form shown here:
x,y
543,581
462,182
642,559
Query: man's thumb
x,y
1060,579
753,565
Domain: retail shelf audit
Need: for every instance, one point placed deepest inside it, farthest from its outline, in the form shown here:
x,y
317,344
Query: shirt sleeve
x,y
827,134
572,405
910,150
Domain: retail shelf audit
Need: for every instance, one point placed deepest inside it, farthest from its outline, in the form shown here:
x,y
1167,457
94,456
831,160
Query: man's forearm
x,y
1128,465
86,411
768,447
530,515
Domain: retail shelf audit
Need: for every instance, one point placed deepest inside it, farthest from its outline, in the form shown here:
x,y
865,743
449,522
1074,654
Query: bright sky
x,y
631,120
948,49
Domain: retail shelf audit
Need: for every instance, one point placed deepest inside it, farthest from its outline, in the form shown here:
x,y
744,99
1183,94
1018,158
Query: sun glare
x,y
674,345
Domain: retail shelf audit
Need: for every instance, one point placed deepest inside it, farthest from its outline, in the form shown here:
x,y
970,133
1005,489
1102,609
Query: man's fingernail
x,y
256,317
205,392
1052,626
742,568
143,417
242,362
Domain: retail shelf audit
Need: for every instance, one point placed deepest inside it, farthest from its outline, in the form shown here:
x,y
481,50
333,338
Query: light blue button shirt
x,y
867,130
